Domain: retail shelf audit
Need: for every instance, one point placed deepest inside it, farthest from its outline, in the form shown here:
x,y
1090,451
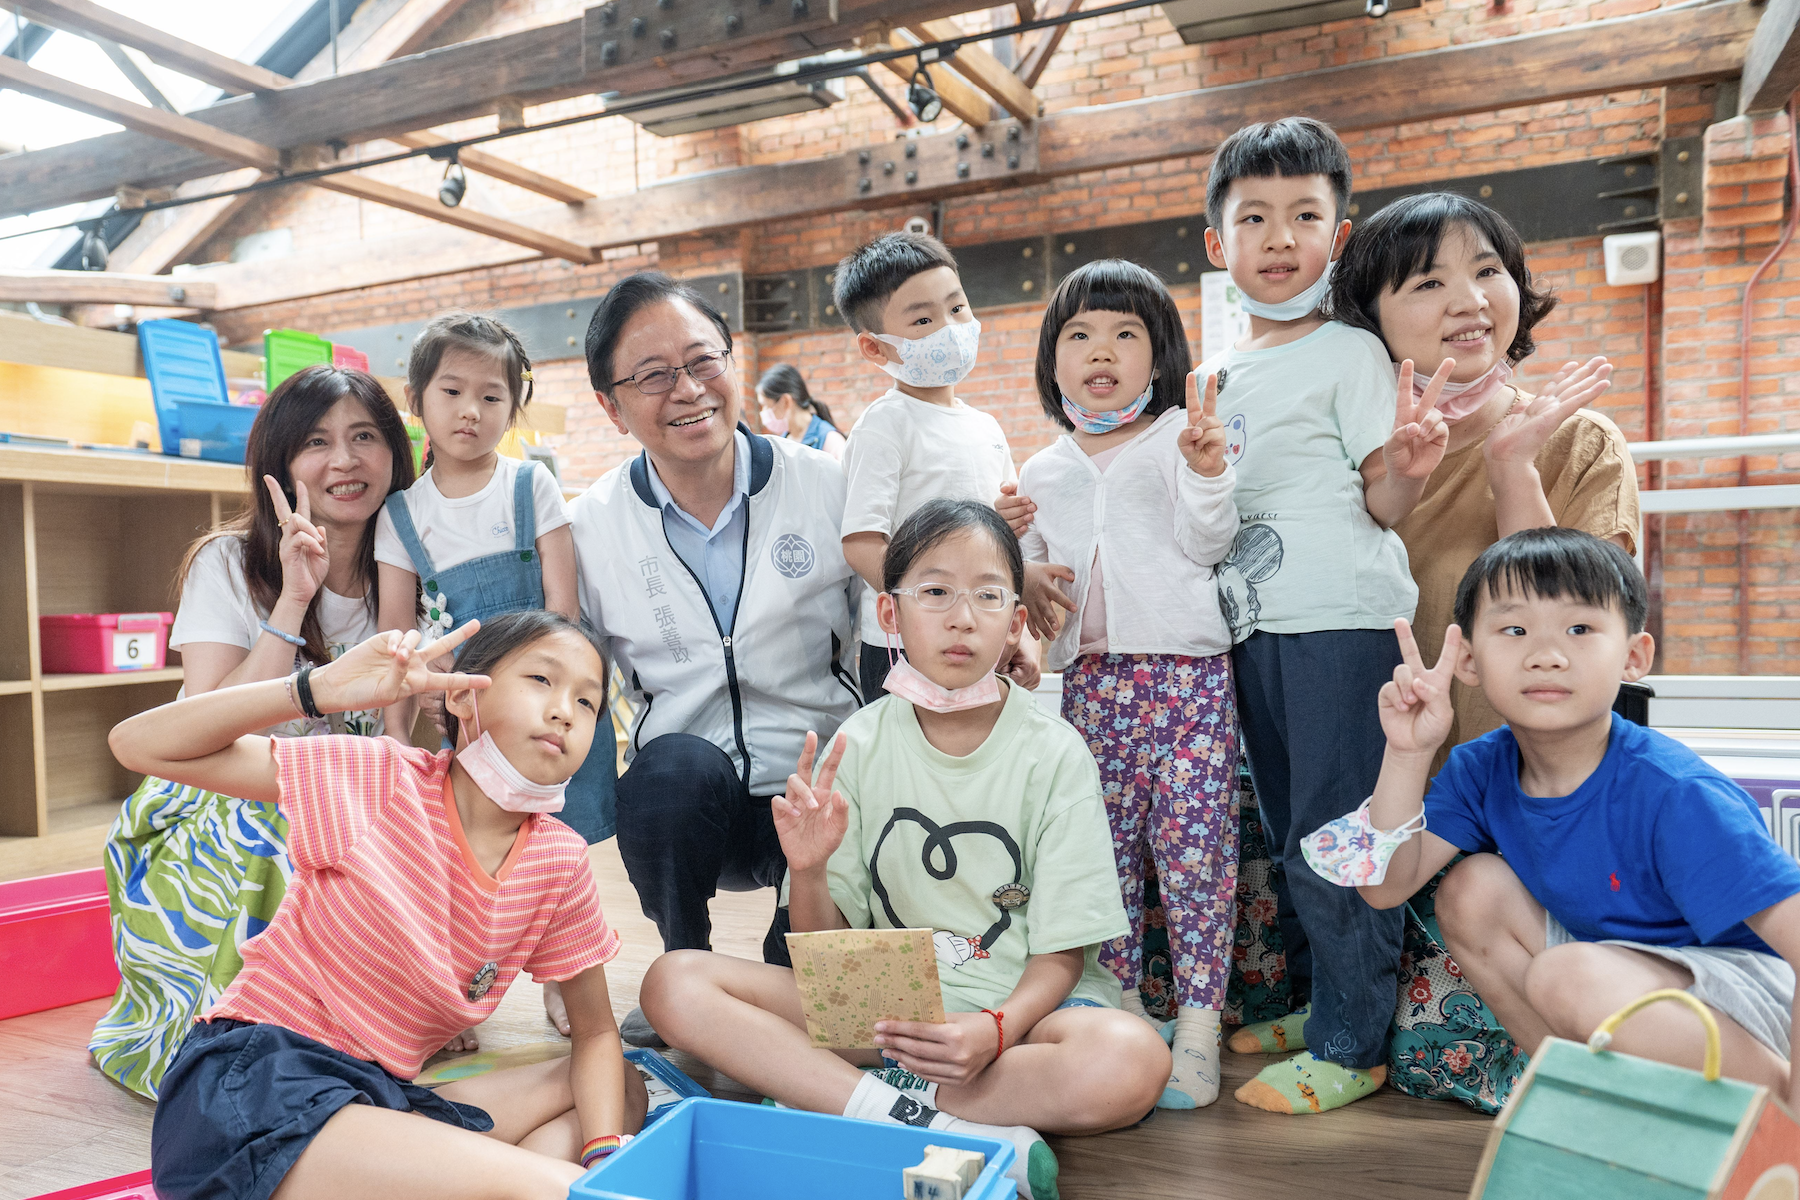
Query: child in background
x,y
487,534
423,884
917,441
1327,459
1034,1039
789,410
1138,495
1606,860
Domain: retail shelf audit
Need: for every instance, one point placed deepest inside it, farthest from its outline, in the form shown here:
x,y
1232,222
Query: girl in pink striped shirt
x,y
423,884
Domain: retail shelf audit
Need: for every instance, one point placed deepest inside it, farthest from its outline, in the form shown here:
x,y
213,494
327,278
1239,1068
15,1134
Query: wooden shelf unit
x,y
83,532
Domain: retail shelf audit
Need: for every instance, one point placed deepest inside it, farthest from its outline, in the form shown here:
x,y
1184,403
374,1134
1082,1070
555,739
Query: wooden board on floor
x,y
67,1124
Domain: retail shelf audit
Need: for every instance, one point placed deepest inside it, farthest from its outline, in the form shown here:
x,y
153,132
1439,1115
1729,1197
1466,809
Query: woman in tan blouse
x,y
1441,276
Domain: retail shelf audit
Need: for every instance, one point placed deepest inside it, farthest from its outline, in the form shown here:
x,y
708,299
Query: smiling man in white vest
x,y
711,565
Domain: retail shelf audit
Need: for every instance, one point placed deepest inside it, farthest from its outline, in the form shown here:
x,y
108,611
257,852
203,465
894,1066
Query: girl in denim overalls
x,y
482,533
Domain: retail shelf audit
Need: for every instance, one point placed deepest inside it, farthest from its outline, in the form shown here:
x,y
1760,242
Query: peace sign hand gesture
x,y
388,668
1203,441
811,818
305,557
1520,435
1416,446
1415,706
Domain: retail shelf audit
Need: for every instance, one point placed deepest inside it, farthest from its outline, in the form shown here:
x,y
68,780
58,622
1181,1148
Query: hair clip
x,y
525,375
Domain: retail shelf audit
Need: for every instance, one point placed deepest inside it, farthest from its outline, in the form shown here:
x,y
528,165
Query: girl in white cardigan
x,y
1136,497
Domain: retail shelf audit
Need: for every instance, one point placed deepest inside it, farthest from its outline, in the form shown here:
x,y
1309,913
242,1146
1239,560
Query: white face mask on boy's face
x,y
942,358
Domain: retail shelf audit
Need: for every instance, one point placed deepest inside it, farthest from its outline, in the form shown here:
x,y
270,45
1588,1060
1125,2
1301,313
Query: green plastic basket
x,y
286,351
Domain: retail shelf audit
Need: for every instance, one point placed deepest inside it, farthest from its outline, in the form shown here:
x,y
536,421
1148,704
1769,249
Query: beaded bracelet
x,y
289,638
601,1147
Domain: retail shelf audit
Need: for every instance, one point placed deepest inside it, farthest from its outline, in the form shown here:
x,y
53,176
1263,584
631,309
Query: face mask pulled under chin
x,y
499,780
942,358
1290,310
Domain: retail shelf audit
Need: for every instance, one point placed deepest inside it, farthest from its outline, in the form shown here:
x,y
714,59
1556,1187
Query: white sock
x,y
1194,1078
1134,1004
877,1100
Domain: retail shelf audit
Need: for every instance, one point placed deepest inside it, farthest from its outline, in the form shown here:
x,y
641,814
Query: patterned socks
x,y
1305,1084
1034,1170
1280,1036
1194,1079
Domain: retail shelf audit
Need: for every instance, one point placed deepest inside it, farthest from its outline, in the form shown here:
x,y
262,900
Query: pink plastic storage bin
x,y
349,356
135,1186
55,942
101,643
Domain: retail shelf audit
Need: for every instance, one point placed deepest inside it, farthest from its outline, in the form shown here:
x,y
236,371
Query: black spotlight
x,y
922,98
450,192
93,248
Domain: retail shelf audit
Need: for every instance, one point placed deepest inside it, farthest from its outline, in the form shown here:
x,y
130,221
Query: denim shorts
x,y
242,1101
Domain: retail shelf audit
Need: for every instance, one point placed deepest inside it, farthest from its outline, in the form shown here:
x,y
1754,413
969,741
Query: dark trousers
x,y
872,670
1313,733
687,827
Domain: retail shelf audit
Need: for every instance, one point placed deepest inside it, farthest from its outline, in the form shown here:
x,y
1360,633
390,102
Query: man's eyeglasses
x,y
938,597
658,380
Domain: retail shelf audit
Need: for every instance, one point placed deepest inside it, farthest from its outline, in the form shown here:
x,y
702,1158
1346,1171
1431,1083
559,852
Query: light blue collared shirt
x,y
715,555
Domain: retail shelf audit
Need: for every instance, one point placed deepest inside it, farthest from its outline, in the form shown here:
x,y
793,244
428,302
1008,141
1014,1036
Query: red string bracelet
x,y
999,1031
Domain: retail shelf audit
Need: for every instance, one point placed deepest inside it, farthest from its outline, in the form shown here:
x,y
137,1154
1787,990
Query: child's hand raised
x,y
388,668
1203,441
1416,446
1415,706
1016,510
811,818
1520,435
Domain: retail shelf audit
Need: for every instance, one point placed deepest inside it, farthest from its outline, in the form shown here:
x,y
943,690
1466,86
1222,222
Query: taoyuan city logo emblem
x,y
792,555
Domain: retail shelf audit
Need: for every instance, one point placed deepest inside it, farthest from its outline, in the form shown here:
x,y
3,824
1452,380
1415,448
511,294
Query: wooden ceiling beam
x,y
139,118
1031,67
86,18
452,83
1655,49
364,188
982,69
959,98
1772,63
103,287
407,31
499,168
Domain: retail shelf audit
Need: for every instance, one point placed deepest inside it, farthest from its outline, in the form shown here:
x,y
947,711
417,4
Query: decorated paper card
x,y
851,978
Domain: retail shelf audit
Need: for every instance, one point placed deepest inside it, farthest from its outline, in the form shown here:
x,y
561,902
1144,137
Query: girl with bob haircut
x,y
423,884
290,581
1034,1039
1137,497
1440,276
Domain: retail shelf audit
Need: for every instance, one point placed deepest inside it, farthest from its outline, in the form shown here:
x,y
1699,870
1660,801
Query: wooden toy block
x,y
1586,1124
945,1174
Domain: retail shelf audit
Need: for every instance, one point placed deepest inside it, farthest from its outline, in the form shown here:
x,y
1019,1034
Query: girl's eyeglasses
x,y
658,380
938,597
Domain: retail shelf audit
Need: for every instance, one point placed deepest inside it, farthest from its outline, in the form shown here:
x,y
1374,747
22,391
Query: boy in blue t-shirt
x,y
1606,860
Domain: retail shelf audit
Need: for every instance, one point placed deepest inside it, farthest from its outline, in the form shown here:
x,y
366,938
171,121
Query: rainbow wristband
x,y
600,1147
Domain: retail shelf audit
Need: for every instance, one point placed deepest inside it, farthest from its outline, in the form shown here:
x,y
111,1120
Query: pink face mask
x,y
1459,400
910,684
499,780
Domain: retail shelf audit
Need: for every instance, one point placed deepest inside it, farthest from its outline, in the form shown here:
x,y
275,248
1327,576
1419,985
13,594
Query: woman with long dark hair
x,y
289,582
790,411
1440,276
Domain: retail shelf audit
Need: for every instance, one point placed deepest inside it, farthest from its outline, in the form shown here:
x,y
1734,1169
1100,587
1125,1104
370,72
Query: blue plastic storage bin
x,y
187,385
724,1150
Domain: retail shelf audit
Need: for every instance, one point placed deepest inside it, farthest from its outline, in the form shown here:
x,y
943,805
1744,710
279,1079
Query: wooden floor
x,y
62,1123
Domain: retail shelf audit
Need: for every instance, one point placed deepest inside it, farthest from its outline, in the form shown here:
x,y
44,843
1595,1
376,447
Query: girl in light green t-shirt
x,y
953,804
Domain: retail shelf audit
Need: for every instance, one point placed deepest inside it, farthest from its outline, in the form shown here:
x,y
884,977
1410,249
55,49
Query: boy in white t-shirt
x,y
1327,463
904,301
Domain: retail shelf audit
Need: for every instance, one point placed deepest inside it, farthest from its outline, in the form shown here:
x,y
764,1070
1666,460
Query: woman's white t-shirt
x,y
468,527
216,607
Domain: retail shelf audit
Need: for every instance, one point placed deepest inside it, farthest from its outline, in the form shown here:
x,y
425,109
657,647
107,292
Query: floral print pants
x,y
1163,730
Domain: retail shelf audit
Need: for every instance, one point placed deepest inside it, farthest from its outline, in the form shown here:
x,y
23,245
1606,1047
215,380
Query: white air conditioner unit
x,y
777,97
1215,20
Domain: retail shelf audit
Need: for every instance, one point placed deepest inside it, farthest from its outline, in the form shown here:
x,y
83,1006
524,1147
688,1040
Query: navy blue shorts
x,y
241,1102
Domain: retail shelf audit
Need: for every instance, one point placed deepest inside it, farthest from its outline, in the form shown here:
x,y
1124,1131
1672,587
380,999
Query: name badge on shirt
x,y
483,980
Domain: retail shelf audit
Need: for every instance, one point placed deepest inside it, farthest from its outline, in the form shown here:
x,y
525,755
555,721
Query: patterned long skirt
x,y
192,876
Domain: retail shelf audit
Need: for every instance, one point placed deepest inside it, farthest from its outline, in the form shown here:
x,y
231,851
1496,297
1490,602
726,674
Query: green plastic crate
x,y
286,351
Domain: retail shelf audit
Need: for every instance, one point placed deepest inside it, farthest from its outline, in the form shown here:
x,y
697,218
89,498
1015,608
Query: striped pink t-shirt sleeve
x,y
577,936
332,791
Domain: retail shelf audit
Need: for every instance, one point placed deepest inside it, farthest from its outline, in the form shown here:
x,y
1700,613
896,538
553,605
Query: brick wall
x,y
1128,56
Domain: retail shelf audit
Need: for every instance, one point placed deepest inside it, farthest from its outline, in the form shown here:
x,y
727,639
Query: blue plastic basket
x,y
187,385
724,1150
